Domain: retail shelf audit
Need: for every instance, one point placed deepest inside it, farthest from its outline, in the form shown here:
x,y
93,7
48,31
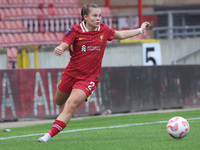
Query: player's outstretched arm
x,y
130,33
59,50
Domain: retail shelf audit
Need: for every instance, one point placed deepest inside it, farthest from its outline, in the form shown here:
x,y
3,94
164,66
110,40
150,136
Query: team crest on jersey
x,y
101,37
68,32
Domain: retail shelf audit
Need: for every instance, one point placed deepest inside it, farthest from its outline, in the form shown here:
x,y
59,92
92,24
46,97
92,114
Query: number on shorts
x,y
92,84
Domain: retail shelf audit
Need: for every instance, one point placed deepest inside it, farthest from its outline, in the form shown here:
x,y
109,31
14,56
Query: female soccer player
x,y
86,43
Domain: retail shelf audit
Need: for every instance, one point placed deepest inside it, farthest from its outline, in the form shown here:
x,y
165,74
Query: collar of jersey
x,y
84,29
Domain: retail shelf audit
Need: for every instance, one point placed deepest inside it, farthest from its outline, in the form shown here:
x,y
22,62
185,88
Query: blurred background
x,y
155,70
42,23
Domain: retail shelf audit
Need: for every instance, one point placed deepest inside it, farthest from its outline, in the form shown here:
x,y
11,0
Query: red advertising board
x,y
30,93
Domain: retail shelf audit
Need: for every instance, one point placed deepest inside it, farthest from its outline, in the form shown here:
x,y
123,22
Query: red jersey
x,y
86,49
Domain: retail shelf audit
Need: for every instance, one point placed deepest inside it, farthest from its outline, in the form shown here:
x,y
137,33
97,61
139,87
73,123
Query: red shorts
x,y
67,83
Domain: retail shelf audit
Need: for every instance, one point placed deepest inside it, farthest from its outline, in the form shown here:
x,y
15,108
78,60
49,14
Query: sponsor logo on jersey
x,y
93,48
68,32
83,48
90,48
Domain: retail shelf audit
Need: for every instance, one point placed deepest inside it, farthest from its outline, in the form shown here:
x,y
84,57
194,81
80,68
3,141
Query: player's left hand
x,y
145,26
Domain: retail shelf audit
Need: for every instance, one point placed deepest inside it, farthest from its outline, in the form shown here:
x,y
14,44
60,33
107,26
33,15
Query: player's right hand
x,y
58,51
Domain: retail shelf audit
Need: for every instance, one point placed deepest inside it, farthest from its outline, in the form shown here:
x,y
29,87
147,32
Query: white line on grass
x,y
96,128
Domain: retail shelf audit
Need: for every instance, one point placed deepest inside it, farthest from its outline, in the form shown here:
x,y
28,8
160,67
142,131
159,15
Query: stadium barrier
x,y
29,93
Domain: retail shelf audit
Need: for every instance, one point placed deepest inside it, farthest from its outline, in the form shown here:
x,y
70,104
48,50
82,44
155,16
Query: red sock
x,y
57,127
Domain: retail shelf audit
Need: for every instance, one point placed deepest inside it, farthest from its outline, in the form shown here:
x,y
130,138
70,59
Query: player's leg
x,y
64,89
61,97
81,90
76,98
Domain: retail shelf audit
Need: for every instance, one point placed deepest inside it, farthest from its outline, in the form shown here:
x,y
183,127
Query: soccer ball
x,y
177,127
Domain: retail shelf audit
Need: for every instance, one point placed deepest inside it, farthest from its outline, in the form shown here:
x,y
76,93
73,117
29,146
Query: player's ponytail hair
x,y
86,9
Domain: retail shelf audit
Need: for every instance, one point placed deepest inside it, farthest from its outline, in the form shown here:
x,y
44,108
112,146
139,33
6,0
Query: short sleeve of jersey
x,y
69,36
111,33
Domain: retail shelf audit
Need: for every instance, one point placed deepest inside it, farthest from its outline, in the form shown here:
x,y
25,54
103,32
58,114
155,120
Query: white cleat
x,y
45,138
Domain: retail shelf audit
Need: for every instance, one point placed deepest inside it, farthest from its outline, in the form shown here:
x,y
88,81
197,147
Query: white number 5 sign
x,y
151,54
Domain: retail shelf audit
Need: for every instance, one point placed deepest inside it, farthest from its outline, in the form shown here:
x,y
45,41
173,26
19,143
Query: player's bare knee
x,y
68,110
70,107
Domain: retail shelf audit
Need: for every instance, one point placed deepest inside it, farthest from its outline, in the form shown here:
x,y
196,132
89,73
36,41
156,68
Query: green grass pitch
x,y
126,132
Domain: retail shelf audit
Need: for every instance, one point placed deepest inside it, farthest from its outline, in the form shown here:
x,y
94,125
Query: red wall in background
x,y
29,93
